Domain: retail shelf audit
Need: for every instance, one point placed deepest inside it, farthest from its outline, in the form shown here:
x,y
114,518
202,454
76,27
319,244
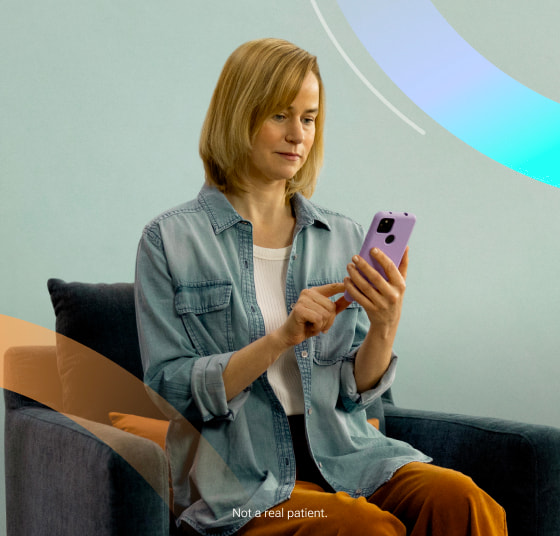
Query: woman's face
x,y
282,145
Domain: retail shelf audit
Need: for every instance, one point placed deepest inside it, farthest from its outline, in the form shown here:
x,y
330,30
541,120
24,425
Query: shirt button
x,y
320,464
292,305
309,411
358,491
304,354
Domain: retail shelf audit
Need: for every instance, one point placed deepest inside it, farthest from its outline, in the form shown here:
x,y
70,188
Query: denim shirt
x,y
196,305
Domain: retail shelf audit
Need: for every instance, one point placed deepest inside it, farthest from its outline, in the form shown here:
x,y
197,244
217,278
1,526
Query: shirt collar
x,y
222,214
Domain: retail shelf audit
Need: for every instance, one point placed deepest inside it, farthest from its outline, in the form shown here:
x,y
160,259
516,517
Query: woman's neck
x,y
270,214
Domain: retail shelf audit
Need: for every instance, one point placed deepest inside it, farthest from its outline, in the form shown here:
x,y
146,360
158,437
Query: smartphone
x,y
389,232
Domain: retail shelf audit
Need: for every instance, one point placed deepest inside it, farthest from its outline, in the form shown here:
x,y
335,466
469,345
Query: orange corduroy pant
x,y
419,500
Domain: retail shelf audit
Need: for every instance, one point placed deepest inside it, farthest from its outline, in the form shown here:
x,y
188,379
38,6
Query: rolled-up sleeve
x,y
351,398
208,389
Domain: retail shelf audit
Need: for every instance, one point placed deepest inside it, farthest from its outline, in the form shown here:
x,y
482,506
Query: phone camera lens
x,y
385,225
390,239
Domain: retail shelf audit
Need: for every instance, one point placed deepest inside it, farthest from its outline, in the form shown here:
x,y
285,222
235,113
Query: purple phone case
x,y
393,247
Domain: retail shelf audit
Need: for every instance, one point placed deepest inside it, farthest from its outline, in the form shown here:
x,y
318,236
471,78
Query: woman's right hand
x,y
313,313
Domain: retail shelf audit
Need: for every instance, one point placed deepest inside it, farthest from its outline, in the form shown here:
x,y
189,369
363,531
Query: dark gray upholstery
x,y
63,479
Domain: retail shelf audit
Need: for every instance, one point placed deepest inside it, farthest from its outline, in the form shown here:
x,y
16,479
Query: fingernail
x,y
375,251
355,259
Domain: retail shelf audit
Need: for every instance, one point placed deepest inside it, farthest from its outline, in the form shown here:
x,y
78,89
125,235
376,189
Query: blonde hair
x,y
260,78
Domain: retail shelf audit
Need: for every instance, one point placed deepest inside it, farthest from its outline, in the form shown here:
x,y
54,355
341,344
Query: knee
x,y
456,492
452,485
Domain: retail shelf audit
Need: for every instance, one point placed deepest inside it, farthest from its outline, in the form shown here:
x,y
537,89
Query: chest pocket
x,y
205,309
332,346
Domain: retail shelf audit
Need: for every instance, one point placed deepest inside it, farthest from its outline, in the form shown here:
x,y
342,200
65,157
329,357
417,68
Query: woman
x,y
241,331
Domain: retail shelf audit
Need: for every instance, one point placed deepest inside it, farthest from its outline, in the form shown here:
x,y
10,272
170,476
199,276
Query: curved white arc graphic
x,y
360,75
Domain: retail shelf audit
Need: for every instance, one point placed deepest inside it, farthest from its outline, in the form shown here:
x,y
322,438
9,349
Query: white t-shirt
x,y
270,267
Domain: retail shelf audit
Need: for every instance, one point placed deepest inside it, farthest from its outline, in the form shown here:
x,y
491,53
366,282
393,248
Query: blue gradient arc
x,y
458,87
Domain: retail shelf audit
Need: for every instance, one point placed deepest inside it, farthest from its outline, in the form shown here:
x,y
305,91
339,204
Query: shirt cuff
x,y
208,389
353,400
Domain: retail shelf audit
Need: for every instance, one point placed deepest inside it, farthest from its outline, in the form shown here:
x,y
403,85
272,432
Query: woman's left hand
x,y
381,299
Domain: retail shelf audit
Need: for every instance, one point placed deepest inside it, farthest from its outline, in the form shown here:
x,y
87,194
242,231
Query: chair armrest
x,y
517,464
74,483
32,370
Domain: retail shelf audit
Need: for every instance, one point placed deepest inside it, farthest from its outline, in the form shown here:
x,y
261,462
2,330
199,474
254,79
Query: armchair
x,y
69,471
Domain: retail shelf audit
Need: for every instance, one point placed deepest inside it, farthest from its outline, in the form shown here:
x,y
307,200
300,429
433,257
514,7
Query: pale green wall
x,y
101,104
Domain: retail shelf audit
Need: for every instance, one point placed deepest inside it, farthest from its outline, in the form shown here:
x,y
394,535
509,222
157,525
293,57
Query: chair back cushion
x,y
98,354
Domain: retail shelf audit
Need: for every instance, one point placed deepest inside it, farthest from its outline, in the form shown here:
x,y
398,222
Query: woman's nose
x,y
295,132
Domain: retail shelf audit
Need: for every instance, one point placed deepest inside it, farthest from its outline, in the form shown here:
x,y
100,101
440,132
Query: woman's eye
x,y
308,120
279,117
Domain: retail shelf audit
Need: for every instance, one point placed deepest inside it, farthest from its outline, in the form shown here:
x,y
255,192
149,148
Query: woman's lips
x,y
290,156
